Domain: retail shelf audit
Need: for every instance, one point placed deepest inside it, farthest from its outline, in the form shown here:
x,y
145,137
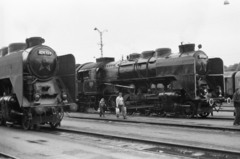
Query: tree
x,y
234,67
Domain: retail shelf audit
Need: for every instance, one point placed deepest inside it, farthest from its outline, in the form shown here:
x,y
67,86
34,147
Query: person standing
x,y
102,104
236,102
120,104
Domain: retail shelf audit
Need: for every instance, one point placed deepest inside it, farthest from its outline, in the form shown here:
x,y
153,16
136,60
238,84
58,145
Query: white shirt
x,y
119,101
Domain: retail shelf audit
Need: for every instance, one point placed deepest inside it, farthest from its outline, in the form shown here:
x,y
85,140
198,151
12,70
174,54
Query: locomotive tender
x,y
232,81
187,83
36,85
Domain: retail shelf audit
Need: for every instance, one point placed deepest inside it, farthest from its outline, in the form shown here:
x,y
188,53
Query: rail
x,y
156,146
199,126
6,156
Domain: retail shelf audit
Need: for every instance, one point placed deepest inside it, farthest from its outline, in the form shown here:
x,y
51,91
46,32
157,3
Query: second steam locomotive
x,y
187,83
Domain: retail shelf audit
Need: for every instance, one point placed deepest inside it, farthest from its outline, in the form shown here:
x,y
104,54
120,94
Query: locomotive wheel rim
x,y
204,114
189,111
25,122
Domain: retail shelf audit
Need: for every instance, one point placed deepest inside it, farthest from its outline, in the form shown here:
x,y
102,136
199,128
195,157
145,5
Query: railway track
x,y
153,146
6,156
171,116
198,126
210,117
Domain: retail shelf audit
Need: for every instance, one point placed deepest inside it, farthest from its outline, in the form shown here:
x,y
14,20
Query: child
x,y
102,104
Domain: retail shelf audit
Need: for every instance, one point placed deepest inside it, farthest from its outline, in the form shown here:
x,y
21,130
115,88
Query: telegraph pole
x,y
101,44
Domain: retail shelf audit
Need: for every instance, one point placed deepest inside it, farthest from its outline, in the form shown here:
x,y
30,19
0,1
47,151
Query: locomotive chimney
x,y
16,46
34,41
186,48
4,51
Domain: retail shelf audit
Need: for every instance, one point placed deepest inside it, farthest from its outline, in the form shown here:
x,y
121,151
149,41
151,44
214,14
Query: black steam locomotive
x,y
187,83
36,85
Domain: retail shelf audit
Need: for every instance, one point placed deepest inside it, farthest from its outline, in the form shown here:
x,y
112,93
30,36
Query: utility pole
x,y
101,44
226,2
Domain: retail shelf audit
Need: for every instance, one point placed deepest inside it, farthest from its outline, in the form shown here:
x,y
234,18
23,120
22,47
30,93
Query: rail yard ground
x,y
62,143
39,145
173,130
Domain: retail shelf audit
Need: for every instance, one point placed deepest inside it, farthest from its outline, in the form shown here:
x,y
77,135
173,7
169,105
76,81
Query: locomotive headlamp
x,y
37,96
64,95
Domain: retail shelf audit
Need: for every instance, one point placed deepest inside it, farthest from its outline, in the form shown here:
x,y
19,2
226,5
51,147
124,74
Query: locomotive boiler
x,y
187,83
36,85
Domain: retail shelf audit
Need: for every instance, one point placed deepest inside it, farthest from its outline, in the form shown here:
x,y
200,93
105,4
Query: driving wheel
x,y
26,123
189,109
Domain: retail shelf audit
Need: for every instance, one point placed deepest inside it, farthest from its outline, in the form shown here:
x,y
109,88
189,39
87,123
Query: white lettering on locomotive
x,y
44,52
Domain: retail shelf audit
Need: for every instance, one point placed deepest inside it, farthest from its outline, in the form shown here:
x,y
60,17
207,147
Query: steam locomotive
x,y
36,85
186,83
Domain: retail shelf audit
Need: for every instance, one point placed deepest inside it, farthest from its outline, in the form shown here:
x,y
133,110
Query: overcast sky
x,y
133,26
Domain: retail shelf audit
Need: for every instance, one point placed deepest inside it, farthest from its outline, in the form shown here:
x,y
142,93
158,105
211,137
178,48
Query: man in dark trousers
x,y
121,105
236,101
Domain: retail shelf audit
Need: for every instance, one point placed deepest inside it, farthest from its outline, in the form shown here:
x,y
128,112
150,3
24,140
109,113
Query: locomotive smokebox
x,y
34,41
16,46
186,48
39,60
